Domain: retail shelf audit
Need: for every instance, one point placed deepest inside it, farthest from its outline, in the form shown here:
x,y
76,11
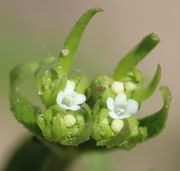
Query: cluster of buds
x,y
101,110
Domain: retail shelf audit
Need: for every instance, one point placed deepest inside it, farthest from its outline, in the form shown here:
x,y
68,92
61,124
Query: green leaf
x,y
136,55
22,109
149,90
156,122
73,40
30,156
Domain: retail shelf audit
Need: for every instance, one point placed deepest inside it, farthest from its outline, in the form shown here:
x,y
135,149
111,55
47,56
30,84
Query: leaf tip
x,y
154,37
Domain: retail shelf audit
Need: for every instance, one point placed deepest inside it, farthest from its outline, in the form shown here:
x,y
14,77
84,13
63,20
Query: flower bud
x,y
100,88
117,87
66,127
117,125
130,86
69,120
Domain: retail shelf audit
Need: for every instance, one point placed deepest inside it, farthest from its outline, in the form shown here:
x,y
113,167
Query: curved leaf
x,y
22,109
73,40
148,91
136,55
156,122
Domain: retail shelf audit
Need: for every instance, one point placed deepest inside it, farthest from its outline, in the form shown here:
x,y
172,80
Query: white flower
x,y
117,87
121,108
70,99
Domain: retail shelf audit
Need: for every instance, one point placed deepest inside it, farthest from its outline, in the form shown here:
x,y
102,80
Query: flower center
x,y
120,109
68,100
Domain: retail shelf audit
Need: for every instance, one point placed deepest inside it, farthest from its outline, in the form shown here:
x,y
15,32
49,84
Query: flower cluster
x,y
101,110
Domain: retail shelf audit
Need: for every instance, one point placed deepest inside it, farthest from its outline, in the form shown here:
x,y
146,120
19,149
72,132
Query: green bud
x,y
130,86
49,83
65,127
100,88
137,134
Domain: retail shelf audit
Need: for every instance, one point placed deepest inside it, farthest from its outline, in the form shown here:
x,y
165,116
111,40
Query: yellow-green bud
x,y
117,125
117,87
105,121
69,120
130,86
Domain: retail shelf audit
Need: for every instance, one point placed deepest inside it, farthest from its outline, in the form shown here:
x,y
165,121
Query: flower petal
x,y
113,115
74,108
70,86
110,103
125,115
59,97
132,106
64,106
121,99
79,98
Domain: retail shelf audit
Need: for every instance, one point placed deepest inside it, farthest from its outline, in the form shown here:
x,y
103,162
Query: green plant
x,y
81,115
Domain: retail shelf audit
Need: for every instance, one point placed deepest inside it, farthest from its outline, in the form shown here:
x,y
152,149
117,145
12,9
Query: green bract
x,y
96,114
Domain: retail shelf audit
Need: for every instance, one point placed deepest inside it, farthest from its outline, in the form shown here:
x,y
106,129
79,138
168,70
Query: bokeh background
x,y
32,30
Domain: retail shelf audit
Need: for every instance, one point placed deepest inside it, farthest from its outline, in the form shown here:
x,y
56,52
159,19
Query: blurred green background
x,y
32,30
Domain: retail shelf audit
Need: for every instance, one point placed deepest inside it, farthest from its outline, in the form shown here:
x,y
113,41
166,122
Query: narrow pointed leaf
x,y
22,109
73,40
149,90
136,55
156,122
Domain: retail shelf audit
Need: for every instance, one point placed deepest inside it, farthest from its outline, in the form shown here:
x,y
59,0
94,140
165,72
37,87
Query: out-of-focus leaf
x,y
30,156
22,109
136,55
156,122
96,162
149,90
73,40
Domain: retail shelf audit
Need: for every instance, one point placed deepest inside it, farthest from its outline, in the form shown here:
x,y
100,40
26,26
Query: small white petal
x,y
64,106
80,98
74,108
125,115
59,97
70,86
132,106
121,99
110,103
117,87
113,115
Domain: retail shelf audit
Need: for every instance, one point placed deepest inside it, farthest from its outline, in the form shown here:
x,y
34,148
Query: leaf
x,y
136,55
73,40
156,122
148,91
22,109
30,156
